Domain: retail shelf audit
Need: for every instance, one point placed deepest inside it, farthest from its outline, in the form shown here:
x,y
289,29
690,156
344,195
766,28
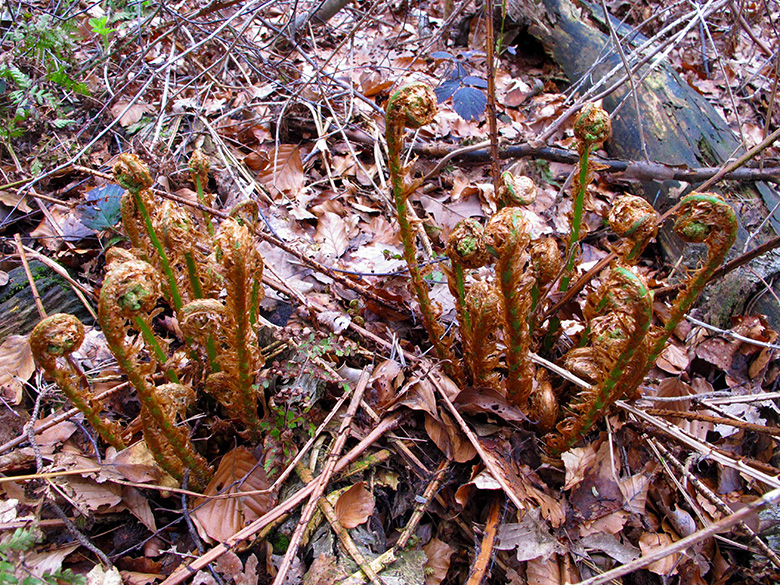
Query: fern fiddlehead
x,y
413,106
465,249
130,292
242,270
615,356
507,238
636,222
133,175
58,336
702,218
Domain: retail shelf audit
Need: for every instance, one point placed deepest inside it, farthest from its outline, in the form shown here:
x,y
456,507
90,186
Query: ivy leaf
x,y
101,211
469,103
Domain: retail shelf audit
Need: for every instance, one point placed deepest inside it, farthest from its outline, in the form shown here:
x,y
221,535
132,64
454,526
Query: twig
x,y
487,546
708,451
718,420
488,461
330,514
322,481
716,501
767,499
30,279
728,333
183,573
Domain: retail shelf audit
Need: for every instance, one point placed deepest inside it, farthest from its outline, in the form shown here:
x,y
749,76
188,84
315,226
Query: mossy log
x,y
18,314
681,128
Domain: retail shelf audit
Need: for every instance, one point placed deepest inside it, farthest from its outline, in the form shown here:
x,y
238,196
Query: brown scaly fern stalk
x,y
483,304
702,218
58,336
616,354
414,106
466,250
242,271
133,175
130,292
507,238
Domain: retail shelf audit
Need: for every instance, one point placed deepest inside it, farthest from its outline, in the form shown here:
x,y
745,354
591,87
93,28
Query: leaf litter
x,y
318,173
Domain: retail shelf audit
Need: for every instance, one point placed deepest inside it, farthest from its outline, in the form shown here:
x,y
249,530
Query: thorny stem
x,y
58,336
413,106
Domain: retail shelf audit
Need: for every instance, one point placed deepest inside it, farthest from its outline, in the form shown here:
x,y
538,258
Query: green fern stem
x,y
202,199
413,106
130,288
576,219
702,218
165,263
621,377
59,336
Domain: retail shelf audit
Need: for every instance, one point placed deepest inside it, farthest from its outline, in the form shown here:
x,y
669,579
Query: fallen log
x,y
681,129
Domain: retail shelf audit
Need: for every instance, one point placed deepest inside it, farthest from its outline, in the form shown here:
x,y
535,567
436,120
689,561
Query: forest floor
x,y
425,475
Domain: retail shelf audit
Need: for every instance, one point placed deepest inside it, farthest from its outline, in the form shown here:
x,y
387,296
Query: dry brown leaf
x,y
438,563
650,542
16,367
634,490
284,170
325,570
673,359
486,400
42,563
68,221
609,524
238,472
417,395
531,537
354,506
16,200
577,462
332,232
89,495
99,576
132,115
543,572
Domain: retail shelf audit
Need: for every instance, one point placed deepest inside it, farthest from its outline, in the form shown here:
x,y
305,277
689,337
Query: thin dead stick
x,y
718,420
704,449
715,501
389,557
346,540
768,499
58,419
79,289
249,531
487,546
497,475
30,279
322,480
422,505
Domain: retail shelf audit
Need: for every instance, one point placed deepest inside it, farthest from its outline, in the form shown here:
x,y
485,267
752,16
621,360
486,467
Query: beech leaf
x,y
16,366
218,519
354,506
332,232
